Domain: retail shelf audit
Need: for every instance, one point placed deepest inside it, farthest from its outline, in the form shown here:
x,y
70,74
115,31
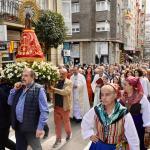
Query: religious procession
x,y
111,102
91,101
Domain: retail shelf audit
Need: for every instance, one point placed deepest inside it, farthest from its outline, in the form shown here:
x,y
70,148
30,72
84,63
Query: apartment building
x,y
134,27
142,34
130,26
96,31
147,37
141,12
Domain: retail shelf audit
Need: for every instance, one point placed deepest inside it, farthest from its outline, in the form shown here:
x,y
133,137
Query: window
x,y
102,5
66,10
125,4
108,5
9,8
75,7
75,27
118,27
5,7
102,26
118,9
102,48
43,4
66,13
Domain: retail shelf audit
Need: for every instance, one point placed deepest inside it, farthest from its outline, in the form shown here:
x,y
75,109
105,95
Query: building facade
x,y
10,30
134,27
96,31
129,27
147,38
141,13
53,55
64,8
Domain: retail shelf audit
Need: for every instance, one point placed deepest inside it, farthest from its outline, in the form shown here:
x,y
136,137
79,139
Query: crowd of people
x,y
112,103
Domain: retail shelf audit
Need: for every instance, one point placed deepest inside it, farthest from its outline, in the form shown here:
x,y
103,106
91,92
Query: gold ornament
x,y
31,7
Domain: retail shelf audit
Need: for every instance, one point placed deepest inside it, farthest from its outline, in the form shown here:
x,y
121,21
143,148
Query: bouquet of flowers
x,y
46,72
12,72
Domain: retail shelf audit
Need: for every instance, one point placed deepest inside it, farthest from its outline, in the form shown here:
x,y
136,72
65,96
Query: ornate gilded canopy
x,y
29,6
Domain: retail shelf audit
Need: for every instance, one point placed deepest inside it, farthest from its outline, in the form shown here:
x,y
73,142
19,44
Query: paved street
x,y
76,142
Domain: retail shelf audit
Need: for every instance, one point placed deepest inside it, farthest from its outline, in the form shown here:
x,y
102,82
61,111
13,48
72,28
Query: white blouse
x,y
145,110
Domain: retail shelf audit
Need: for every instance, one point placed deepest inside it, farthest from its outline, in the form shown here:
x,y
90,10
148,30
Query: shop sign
x,y
66,52
3,47
7,57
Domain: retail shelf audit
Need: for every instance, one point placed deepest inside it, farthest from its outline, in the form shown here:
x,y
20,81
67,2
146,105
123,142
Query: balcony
x,y
9,10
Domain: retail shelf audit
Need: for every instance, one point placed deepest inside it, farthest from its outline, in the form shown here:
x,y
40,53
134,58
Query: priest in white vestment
x,y
80,95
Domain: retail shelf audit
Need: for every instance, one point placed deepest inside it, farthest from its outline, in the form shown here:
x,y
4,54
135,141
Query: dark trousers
x,y
24,139
46,129
4,141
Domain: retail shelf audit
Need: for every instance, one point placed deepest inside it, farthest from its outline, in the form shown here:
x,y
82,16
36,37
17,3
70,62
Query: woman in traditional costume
x,y
109,125
139,107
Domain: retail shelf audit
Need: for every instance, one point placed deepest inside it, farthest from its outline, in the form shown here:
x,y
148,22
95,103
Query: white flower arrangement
x,y
46,72
12,72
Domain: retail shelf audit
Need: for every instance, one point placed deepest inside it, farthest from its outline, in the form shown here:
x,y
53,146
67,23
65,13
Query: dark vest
x,y
135,111
58,97
31,110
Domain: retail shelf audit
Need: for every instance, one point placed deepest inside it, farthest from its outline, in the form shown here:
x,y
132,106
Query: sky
x,y
148,6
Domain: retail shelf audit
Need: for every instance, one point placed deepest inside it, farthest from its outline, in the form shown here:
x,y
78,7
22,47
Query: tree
x,y
50,30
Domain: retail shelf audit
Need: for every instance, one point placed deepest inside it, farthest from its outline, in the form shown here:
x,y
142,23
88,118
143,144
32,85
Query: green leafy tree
x,y
50,30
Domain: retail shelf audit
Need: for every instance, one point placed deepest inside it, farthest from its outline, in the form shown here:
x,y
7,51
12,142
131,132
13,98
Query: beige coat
x,y
66,92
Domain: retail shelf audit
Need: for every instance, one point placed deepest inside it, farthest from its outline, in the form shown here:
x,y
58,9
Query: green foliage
x,y
50,29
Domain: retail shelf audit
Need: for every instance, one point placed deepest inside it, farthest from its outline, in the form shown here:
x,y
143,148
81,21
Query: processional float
x,y
29,48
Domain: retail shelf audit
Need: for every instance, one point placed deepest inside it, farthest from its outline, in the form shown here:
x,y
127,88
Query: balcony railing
x,y
9,10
